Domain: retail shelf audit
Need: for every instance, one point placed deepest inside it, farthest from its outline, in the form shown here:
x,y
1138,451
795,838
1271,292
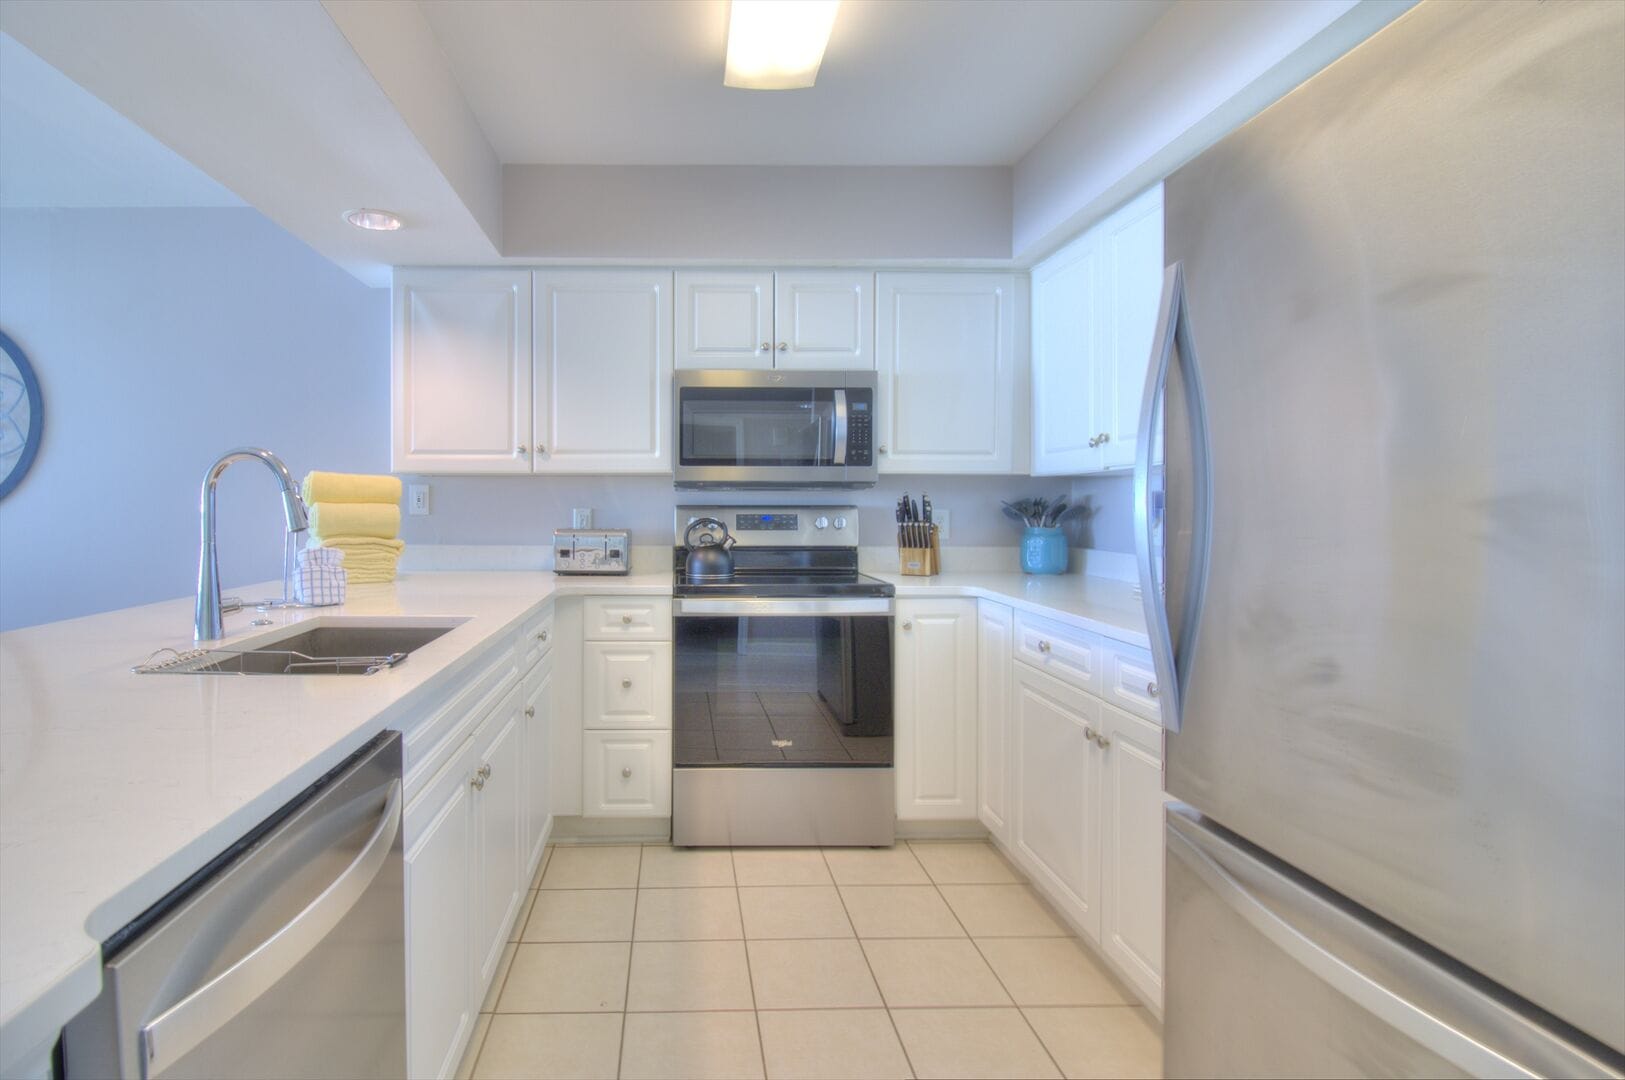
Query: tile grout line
x,y
626,992
750,974
1042,1045
884,1004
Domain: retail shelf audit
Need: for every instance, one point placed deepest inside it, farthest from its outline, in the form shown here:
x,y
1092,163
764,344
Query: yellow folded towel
x,y
367,559
363,545
337,487
354,519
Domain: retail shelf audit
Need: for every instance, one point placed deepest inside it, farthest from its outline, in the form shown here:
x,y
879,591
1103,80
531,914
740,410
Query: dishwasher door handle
x,y
179,1029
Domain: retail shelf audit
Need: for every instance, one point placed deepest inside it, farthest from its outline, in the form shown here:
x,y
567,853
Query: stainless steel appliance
x,y
1384,561
283,958
592,551
775,429
783,682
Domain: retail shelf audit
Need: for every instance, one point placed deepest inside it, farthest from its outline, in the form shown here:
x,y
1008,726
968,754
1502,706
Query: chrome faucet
x,y
206,626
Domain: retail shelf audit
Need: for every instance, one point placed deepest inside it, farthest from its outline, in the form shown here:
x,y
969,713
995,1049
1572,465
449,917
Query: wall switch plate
x,y
941,519
417,498
581,517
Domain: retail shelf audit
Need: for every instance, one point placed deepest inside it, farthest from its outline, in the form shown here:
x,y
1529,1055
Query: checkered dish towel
x,y
319,577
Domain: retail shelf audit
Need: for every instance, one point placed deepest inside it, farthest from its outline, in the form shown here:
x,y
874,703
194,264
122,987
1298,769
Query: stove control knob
x,y
840,523
821,522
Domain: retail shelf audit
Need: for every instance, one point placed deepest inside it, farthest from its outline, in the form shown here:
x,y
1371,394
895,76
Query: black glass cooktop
x,y
771,583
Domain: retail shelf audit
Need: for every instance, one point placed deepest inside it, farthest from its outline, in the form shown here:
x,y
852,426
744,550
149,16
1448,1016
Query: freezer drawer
x,y
1269,974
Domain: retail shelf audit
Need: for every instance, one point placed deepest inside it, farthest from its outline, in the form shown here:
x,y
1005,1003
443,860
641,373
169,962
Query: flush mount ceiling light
x,y
375,220
777,44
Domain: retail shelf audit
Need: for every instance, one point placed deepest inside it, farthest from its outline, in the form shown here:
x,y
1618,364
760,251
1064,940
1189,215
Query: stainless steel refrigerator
x,y
1382,541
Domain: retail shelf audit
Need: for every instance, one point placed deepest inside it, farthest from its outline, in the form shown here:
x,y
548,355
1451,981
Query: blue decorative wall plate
x,y
22,415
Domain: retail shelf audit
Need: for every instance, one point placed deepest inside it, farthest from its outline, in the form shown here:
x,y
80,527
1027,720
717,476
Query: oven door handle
x,y
768,608
840,428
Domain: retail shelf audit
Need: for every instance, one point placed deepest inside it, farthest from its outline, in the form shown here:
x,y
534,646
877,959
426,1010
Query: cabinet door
x,y
934,710
945,352
1131,258
626,684
993,663
460,385
603,371
824,319
626,774
1131,843
1064,380
499,822
1056,793
538,691
440,863
724,320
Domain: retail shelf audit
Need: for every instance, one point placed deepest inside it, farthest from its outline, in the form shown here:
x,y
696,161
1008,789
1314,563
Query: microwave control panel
x,y
860,429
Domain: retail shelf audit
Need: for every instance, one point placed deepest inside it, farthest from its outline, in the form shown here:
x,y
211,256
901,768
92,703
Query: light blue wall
x,y
162,338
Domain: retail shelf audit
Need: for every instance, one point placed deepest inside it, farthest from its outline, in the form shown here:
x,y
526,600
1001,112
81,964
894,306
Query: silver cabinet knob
x,y
530,711
626,684
542,636
478,782
882,448
908,626
1151,689
520,449
1101,741
767,346
540,449
1100,440
1043,646
485,771
626,620
626,772
783,347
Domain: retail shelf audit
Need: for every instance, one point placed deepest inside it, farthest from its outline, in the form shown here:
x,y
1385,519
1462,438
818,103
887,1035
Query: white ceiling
x,y
61,146
904,82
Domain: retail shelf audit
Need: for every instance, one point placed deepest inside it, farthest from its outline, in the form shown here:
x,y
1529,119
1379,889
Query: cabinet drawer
x,y
611,618
1130,679
1069,654
536,638
626,685
626,774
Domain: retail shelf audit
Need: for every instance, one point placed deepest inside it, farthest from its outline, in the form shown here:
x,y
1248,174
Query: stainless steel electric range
x,y
783,683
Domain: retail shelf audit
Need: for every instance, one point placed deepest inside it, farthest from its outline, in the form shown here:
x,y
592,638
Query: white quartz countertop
x,y
115,787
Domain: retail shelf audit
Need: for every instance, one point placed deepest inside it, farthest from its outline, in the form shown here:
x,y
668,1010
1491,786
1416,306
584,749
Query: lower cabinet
x,y
538,692
1131,847
993,689
1056,803
499,827
626,774
935,706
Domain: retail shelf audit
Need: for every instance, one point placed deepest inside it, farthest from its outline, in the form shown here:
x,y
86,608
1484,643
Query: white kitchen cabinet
x,y
993,694
460,389
1094,313
935,709
499,828
602,390
946,358
627,684
1131,847
441,863
1056,792
724,319
538,701
626,774
791,319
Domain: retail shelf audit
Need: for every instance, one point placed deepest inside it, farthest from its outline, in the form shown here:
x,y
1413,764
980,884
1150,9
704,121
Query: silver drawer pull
x,y
626,619
542,636
530,710
1043,646
908,625
485,771
478,782
626,771
1151,689
626,684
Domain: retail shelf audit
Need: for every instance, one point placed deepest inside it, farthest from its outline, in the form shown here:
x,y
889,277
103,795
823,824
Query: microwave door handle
x,y
840,428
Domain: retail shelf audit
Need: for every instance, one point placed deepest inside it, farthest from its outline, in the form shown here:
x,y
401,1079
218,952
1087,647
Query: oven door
x,y
795,682
772,429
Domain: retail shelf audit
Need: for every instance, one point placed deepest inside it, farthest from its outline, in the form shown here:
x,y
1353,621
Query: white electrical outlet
x,y
581,517
417,498
942,519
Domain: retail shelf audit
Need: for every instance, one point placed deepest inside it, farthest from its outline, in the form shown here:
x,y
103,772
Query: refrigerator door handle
x,y
1400,987
1171,659
183,1026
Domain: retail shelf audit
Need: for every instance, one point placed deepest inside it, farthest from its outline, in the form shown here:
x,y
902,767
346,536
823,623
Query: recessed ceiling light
x,y
777,44
376,220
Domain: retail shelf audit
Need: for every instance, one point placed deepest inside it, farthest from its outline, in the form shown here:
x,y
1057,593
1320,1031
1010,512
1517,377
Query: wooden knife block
x,y
921,561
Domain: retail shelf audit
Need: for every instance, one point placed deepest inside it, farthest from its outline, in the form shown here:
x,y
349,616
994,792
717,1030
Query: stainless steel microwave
x,y
775,429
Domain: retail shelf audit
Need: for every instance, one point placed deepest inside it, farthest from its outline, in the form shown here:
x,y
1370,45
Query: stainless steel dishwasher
x,y
285,957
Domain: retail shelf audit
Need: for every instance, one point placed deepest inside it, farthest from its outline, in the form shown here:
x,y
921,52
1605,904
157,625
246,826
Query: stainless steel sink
x,y
338,646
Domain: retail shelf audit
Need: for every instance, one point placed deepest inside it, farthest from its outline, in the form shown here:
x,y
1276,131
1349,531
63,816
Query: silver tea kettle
x,y
712,559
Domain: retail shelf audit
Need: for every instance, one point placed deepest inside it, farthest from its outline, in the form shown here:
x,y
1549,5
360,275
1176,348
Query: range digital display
x,y
767,522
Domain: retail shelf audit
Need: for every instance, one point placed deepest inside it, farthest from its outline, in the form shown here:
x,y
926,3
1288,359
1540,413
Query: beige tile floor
x,y
924,960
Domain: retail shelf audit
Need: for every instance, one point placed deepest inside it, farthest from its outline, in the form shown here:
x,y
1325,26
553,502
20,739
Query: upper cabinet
x,y
791,319
603,371
475,390
1094,313
945,348
460,388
